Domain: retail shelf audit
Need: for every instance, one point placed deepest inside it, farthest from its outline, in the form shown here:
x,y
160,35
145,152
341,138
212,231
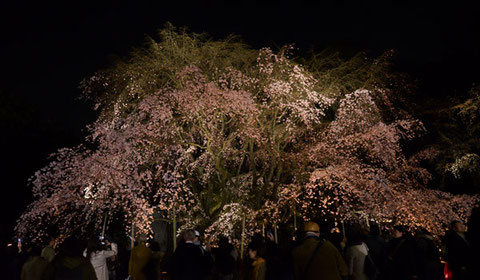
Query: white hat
x,y
197,234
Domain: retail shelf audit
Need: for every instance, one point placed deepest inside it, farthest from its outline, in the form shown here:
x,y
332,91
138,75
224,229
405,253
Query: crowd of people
x,y
355,254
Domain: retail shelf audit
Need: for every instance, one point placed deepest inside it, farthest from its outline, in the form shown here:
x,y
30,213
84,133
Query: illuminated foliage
x,y
454,127
214,132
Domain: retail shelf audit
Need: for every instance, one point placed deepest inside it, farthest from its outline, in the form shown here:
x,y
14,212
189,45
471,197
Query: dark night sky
x,y
46,49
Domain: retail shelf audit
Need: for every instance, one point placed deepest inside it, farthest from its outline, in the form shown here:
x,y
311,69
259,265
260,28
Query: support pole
x,y
263,229
133,236
174,224
343,229
368,223
104,225
243,237
275,232
294,237
294,222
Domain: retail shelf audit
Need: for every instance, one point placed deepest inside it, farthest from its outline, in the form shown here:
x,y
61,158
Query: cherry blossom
x,y
216,144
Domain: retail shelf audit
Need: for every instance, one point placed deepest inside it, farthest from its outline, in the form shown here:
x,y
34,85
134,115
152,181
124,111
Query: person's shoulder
x,y
195,248
394,241
450,235
357,245
374,239
189,246
302,245
329,247
305,244
410,241
296,249
28,263
309,241
83,260
41,260
47,249
328,244
139,248
181,249
188,250
87,267
142,251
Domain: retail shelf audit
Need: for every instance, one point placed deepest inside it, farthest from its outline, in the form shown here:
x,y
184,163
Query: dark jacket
x,y
400,259
377,249
224,260
17,263
278,266
140,255
458,254
73,268
428,259
327,264
187,263
36,268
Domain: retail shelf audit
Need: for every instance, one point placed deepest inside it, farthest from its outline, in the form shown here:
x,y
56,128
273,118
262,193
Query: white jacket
x,y
99,261
355,256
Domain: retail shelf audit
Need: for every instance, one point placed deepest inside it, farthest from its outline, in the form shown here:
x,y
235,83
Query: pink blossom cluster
x,y
216,149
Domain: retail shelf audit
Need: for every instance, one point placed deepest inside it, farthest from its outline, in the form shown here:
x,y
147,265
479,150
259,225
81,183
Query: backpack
x,y
369,267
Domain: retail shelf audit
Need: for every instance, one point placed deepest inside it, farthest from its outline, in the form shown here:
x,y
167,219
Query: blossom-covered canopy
x,y
214,132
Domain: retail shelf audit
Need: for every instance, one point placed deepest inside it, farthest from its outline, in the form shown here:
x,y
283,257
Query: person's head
x,y
374,230
197,236
154,245
354,235
458,226
51,242
257,237
398,231
71,247
35,250
311,228
108,239
189,235
142,239
93,245
256,249
223,242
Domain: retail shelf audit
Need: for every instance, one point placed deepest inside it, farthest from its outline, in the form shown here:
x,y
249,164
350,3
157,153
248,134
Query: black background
x,y
47,48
